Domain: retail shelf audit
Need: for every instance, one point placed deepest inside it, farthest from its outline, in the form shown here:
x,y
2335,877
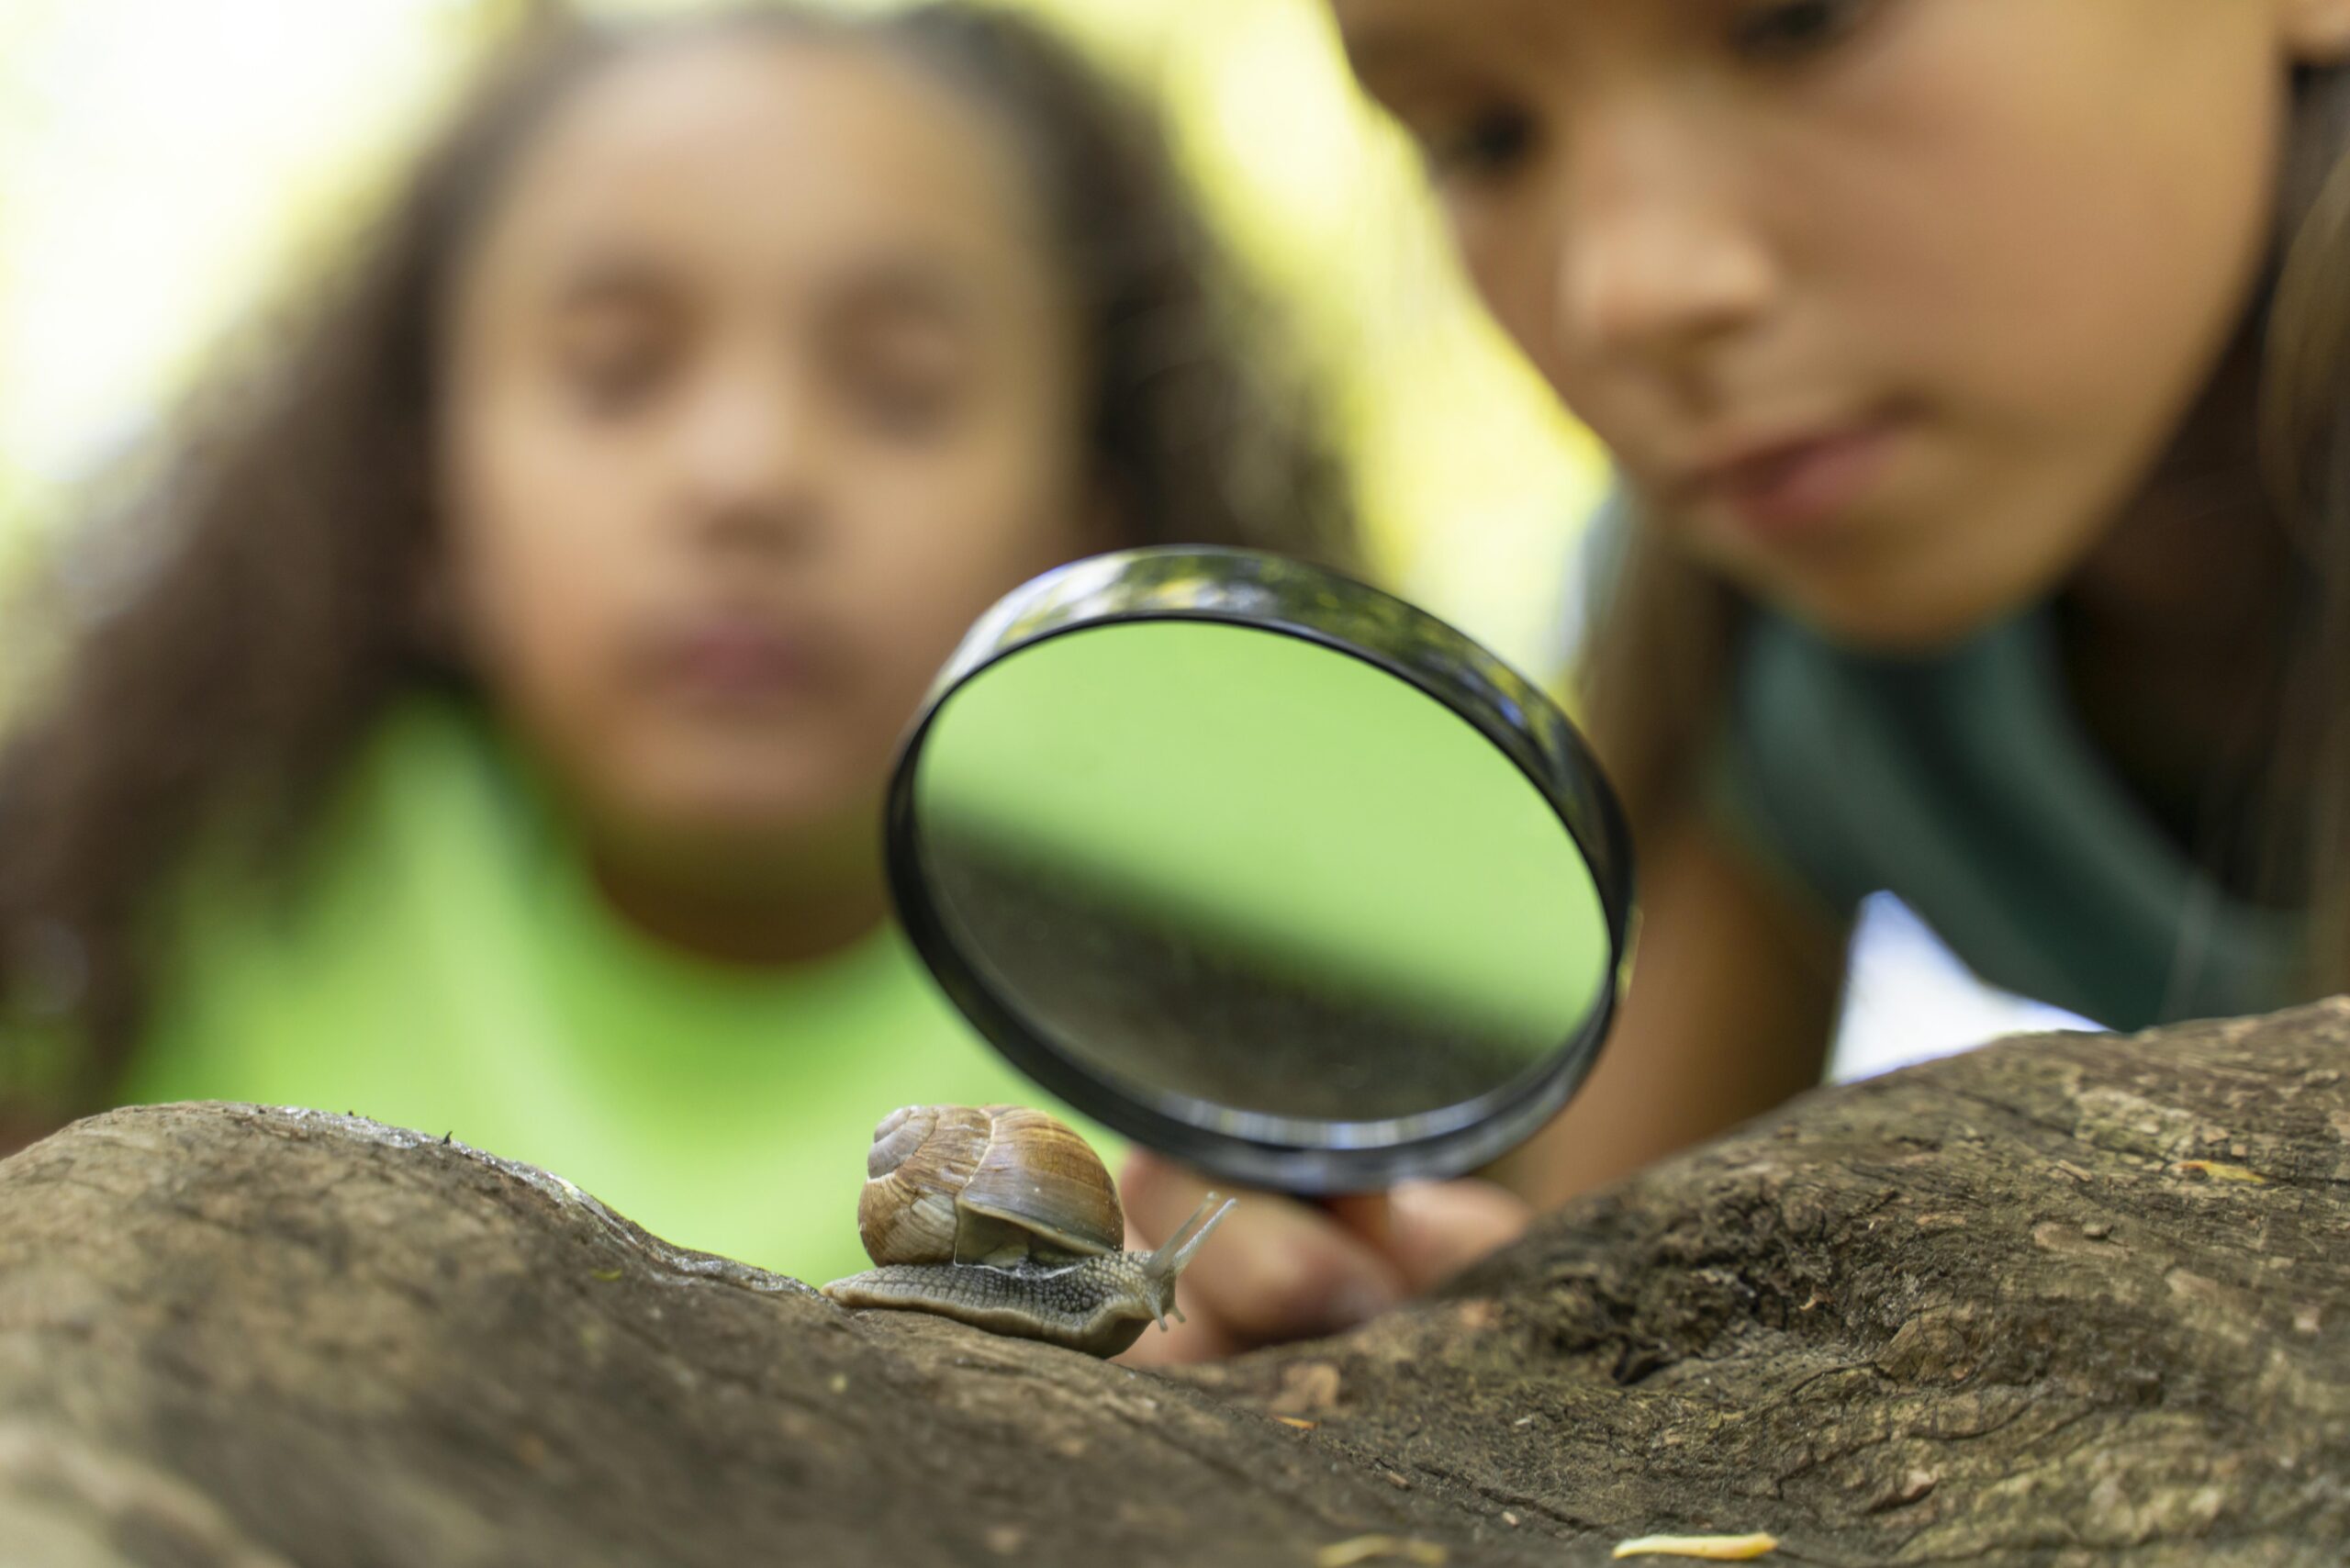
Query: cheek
x,y
2049,276
540,553
2066,248
945,534
1509,250
2100,303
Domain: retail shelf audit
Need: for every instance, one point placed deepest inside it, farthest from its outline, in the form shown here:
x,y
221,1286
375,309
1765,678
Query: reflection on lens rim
x,y
1270,593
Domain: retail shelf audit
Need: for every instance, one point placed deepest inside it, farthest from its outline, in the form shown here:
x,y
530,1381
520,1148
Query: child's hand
x,y
1279,1269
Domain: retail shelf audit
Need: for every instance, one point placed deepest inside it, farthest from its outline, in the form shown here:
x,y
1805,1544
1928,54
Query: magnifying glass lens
x,y
1251,884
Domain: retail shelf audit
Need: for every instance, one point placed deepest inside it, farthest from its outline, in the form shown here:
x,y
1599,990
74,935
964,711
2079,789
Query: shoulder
x,y
404,888
425,785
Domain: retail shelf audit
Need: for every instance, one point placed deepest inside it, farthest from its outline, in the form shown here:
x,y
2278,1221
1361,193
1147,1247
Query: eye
x,y
612,381
1487,146
906,402
903,410
1792,30
904,371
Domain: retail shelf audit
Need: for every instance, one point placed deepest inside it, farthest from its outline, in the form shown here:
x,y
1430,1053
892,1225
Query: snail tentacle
x,y
1167,1261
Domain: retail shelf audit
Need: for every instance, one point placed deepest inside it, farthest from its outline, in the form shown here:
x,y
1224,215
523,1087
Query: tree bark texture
x,y
2069,1299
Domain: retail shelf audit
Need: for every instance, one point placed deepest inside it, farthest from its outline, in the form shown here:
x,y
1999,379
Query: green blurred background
x,y
166,164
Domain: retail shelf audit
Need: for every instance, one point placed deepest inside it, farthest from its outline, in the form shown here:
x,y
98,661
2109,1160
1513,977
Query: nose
x,y
753,458
1657,260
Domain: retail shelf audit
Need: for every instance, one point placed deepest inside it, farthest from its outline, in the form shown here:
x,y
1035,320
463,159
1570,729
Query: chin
x,y
755,817
1908,619
1923,571
756,820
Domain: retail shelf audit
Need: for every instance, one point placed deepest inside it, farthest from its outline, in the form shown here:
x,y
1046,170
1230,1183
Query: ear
x,y
2315,32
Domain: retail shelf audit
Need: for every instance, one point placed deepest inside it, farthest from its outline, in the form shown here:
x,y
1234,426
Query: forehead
x,y
1400,22
1525,34
771,153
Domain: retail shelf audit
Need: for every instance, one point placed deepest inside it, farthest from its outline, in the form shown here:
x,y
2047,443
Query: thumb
x,y
1437,1228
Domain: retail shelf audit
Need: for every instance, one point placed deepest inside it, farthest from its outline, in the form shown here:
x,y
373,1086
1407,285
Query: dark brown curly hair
x,y
255,599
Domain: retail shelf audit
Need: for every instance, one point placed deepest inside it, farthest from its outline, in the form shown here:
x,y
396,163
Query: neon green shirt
x,y
447,966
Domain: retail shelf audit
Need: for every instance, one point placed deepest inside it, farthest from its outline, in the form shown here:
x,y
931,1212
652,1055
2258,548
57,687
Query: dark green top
x,y
1963,784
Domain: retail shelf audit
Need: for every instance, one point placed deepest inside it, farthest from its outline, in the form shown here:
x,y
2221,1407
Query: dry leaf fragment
x,y
2218,1172
1307,1388
1381,1548
1713,1548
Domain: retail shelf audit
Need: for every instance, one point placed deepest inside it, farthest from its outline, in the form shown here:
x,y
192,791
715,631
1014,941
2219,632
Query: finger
x,y
1275,1269
1368,1215
1437,1228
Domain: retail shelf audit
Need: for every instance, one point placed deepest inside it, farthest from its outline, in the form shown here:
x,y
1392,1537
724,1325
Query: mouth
x,y
1787,488
734,659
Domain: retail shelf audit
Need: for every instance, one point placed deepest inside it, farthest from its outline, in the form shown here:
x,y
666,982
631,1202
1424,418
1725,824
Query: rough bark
x,y
2070,1299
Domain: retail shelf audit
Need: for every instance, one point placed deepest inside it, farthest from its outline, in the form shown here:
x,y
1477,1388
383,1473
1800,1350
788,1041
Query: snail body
x,y
1003,1218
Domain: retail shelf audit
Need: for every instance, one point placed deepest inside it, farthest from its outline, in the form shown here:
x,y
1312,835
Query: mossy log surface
x,y
2069,1299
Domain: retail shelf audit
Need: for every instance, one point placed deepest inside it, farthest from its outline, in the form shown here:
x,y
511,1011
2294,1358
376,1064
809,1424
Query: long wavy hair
x,y
1654,676
209,682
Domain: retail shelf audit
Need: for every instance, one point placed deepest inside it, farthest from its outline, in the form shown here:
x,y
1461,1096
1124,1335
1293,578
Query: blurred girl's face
x,y
763,386
1887,306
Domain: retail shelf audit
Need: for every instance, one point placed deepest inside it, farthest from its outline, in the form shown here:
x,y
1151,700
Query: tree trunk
x,y
2070,1299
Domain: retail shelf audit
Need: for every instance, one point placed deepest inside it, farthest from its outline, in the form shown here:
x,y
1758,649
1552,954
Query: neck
x,y
772,909
2175,630
2198,555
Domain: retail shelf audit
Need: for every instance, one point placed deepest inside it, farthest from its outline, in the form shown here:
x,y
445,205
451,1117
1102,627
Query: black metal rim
x,y
1272,594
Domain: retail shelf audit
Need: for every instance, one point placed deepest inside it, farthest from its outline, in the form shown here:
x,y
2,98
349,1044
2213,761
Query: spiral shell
x,y
1000,1217
996,1184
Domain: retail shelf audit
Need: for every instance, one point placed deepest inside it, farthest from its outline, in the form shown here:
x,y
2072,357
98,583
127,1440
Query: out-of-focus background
x,y
164,165
162,162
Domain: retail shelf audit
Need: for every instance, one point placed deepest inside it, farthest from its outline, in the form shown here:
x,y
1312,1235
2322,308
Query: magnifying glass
x,y
1263,868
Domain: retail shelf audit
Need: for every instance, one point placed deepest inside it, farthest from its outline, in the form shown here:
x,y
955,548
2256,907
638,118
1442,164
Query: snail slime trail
x,y
1002,1217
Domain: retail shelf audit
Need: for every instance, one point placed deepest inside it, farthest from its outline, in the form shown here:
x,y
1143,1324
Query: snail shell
x,y
1002,1217
984,1184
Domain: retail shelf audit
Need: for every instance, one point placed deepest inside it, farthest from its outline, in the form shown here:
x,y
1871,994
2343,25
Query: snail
x,y
1002,1217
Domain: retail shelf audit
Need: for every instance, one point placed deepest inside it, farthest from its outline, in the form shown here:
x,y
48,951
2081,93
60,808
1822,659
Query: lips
x,y
734,659
1788,488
